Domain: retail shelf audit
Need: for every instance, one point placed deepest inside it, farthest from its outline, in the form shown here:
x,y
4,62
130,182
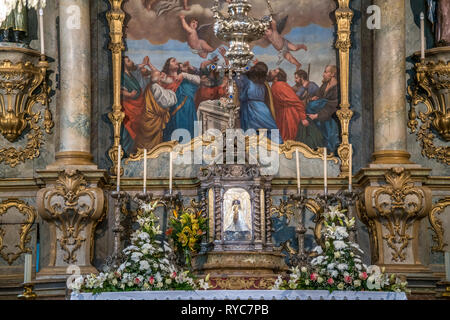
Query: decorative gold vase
x,y
22,86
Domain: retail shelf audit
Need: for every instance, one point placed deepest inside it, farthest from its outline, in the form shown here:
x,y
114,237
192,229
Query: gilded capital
x,y
72,207
392,212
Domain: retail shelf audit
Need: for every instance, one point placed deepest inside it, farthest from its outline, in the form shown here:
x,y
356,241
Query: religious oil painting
x,y
237,215
169,79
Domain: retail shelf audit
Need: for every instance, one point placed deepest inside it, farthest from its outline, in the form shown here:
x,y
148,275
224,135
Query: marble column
x,y
72,202
389,54
75,95
394,200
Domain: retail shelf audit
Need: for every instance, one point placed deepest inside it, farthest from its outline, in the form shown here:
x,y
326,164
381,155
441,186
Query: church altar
x,y
242,295
243,174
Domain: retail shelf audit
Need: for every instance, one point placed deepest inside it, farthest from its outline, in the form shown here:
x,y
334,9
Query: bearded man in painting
x,y
289,109
323,130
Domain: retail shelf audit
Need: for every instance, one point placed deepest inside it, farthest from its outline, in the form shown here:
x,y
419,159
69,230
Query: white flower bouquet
x,y
338,266
146,265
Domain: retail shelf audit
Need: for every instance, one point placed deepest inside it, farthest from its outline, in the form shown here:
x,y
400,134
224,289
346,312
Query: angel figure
x,y
194,36
282,45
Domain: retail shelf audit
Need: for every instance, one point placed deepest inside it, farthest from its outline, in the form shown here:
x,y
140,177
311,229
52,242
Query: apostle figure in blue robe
x,y
256,111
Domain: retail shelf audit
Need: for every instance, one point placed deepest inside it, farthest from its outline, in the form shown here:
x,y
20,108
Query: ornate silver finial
x,y
239,29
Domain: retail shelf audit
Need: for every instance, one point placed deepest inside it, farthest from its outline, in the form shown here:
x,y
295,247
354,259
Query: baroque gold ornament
x,y
24,233
431,88
115,19
242,283
392,213
344,16
73,209
22,85
436,224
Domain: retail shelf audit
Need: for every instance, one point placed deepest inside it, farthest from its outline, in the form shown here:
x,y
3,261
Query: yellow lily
x,y
187,230
192,242
183,239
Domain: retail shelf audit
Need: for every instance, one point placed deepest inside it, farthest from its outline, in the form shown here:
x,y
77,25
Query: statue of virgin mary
x,y
238,229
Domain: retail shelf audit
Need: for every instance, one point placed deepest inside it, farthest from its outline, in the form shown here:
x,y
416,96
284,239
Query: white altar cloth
x,y
242,295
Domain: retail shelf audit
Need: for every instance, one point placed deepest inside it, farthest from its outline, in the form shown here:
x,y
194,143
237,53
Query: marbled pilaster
x,y
390,83
75,98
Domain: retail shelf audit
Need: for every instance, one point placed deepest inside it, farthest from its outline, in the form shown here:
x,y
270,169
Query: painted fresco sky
x,y
319,41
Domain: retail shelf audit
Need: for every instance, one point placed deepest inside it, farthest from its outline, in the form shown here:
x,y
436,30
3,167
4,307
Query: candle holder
x,y
345,199
28,293
171,201
446,293
342,198
142,198
300,201
120,197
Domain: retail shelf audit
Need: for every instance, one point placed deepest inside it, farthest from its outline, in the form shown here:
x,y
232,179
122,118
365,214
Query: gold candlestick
x,y
28,293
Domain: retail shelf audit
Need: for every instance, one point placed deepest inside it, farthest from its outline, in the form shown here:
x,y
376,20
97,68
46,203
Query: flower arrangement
x,y
147,264
187,230
339,266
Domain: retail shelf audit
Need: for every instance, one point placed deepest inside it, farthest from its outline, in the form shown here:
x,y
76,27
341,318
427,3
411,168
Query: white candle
x,y
145,170
41,30
170,173
447,266
350,168
27,268
422,36
297,162
231,90
119,153
325,182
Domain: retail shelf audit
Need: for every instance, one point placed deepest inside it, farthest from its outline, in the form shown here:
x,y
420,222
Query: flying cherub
x,y
282,45
195,36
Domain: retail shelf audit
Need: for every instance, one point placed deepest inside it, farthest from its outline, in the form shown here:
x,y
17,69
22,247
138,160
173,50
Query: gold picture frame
x,y
344,16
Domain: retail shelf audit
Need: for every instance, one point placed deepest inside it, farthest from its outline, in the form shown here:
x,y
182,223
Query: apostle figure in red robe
x,y
289,109
132,96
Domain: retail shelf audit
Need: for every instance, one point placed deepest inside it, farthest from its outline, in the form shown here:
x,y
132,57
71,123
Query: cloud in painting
x,y
146,24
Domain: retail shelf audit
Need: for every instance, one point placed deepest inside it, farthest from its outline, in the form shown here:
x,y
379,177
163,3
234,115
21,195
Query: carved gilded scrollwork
x,y
24,233
73,209
392,213
241,283
436,224
18,85
431,88
344,16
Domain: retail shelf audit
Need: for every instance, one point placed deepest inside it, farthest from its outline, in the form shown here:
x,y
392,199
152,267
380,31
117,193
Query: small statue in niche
x,y
238,230
439,16
15,27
